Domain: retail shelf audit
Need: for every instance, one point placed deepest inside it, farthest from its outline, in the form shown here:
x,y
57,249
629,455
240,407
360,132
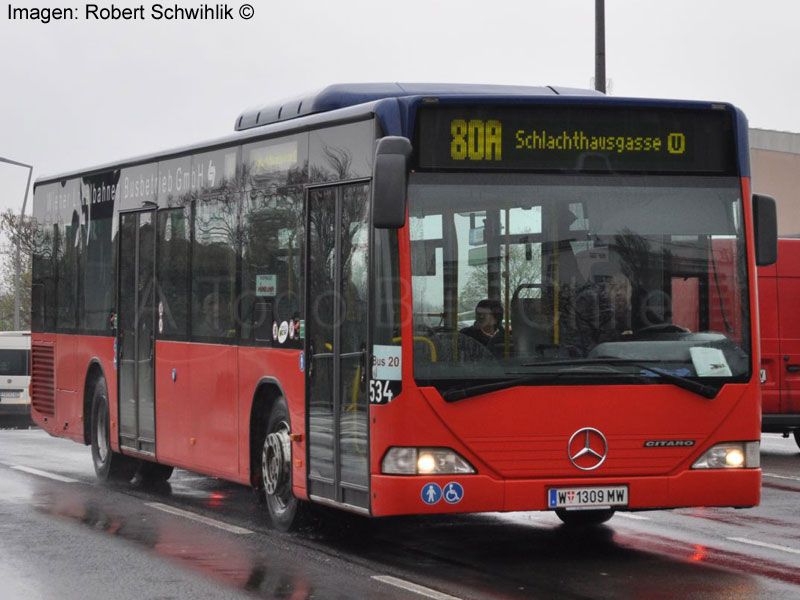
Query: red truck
x,y
779,309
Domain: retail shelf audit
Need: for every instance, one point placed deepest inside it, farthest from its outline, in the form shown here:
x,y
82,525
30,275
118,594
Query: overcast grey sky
x,y
78,93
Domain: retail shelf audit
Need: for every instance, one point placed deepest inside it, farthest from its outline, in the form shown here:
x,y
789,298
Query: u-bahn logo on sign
x,y
587,449
676,143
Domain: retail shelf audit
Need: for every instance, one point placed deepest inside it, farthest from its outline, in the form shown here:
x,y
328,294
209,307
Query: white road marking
x,y
776,476
765,545
414,587
625,515
199,518
33,471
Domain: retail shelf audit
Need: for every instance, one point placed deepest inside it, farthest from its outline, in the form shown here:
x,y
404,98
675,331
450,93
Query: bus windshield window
x,y
523,274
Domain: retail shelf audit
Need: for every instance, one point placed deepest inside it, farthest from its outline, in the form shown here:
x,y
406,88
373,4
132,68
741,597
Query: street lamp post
x,y
19,237
600,46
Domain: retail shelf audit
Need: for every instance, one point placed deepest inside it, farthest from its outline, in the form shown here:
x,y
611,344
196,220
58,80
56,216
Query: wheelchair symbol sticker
x,y
431,493
453,493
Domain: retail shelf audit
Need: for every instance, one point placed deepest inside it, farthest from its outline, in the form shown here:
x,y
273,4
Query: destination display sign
x,y
575,138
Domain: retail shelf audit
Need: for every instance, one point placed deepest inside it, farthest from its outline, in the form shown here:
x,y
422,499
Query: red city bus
x,y
416,299
778,289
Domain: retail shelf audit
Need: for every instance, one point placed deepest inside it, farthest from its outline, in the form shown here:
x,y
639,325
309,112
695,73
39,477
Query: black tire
x,y
150,473
286,512
585,518
797,437
108,465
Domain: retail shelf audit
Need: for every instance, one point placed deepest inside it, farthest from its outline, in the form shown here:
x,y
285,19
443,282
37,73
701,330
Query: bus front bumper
x,y
397,495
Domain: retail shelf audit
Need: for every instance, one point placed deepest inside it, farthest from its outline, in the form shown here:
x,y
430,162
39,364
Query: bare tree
x,y
521,271
10,227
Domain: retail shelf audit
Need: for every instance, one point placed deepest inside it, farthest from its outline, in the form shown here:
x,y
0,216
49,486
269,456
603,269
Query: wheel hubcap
x,y
102,436
275,461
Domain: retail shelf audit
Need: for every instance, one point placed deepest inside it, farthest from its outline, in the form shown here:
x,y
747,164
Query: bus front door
x,y
135,331
336,342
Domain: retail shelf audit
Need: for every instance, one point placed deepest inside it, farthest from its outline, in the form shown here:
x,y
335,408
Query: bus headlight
x,y
730,455
424,461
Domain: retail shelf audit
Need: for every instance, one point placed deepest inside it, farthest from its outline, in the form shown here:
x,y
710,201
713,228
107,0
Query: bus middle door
x,y
135,331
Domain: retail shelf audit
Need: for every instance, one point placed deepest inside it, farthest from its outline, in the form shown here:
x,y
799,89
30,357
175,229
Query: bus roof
x,y
343,103
350,101
351,94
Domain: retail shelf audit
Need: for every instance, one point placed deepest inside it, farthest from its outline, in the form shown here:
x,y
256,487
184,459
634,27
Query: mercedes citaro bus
x,y
416,299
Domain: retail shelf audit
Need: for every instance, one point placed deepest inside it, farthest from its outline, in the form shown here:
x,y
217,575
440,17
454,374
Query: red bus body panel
x,y
517,440
197,409
779,290
72,357
202,416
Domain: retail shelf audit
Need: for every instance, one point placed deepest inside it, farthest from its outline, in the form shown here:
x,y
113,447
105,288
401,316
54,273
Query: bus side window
x,y
214,268
271,274
98,285
173,273
67,276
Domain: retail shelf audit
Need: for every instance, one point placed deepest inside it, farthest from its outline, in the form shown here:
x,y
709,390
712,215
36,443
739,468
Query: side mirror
x,y
389,182
765,228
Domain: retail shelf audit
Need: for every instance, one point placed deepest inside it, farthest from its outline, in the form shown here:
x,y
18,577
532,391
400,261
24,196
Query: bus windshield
x,y
525,274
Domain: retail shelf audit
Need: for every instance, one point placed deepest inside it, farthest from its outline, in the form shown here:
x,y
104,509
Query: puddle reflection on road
x,y
231,560
509,558
484,556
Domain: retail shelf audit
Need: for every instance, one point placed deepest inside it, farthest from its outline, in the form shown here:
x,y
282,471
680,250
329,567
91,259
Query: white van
x,y
15,372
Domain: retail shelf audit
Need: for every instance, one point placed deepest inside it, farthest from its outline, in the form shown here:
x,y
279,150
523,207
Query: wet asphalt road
x,y
65,536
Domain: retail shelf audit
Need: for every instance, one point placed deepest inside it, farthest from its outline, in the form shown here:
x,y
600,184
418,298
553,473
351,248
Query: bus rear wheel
x,y
108,465
797,437
285,510
585,518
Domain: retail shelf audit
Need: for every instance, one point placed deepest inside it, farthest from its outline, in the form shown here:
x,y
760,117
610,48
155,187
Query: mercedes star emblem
x,y
587,449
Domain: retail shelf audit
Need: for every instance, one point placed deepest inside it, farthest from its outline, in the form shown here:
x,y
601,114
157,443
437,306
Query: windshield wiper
x,y
685,383
485,388
707,391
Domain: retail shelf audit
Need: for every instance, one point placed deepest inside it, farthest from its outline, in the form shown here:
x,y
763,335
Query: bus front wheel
x,y
585,518
285,510
797,437
108,465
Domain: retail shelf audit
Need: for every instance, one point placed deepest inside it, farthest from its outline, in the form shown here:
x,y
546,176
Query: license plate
x,y
580,497
9,394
